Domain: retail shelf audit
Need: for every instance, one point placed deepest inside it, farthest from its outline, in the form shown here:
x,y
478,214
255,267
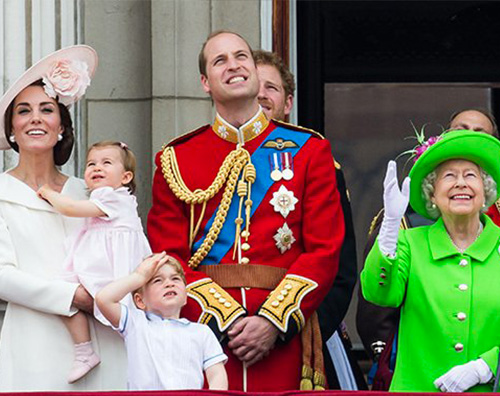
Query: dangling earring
x,y
433,206
59,137
12,138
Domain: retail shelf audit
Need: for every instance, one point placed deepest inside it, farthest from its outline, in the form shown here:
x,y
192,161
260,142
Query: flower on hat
x,y
67,80
422,145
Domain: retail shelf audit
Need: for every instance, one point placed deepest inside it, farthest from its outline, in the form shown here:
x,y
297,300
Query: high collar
x,y
15,191
157,318
441,245
248,131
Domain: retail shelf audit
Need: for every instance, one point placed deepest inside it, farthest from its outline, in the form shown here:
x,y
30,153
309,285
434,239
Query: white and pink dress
x,y
107,247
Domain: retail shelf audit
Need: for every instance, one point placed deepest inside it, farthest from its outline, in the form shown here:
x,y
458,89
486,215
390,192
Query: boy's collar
x,y
157,318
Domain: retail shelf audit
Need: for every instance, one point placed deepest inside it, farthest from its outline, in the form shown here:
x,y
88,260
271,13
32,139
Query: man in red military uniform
x,y
251,209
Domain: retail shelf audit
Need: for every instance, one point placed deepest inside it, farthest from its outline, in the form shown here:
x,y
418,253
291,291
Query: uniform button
x,y
381,283
463,262
383,276
245,260
463,287
247,288
275,303
217,295
284,292
222,300
461,316
245,246
383,269
227,304
212,290
288,286
280,298
245,234
459,347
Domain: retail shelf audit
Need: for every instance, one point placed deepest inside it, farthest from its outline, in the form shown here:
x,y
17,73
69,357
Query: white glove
x,y
395,204
460,378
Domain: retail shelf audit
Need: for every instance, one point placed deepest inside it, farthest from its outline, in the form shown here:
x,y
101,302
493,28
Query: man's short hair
x,y
481,110
272,59
202,61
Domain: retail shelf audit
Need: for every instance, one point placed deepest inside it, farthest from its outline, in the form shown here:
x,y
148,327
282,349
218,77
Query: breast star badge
x,y
283,201
284,238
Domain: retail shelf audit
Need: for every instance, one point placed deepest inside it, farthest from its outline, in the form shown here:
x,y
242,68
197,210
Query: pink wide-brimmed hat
x,y
66,74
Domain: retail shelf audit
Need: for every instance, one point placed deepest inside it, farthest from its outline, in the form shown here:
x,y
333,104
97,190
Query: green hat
x,y
477,147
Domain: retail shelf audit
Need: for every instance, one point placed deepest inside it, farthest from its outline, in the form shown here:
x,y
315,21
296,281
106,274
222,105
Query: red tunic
x,y
311,263
494,214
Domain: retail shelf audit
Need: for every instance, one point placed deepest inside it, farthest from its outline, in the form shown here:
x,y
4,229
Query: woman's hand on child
x,y
82,300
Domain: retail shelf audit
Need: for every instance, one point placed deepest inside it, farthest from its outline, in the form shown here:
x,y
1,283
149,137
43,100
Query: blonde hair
x,y
177,268
128,159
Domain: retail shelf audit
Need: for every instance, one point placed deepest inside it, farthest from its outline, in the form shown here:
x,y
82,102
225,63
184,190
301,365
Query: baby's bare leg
x,y
78,326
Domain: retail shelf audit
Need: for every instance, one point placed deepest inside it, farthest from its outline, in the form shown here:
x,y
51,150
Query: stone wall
x,y
147,87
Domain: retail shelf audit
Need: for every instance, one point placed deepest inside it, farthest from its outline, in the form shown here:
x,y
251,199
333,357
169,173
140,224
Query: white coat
x,y
36,350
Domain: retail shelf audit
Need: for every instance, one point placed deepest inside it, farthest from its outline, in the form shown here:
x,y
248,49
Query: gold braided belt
x,y
236,163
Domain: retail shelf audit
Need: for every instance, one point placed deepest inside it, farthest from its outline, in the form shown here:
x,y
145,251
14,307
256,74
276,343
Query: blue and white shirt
x,y
167,354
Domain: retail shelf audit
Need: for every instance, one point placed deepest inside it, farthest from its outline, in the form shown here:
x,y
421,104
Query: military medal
x,y
284,238
276,174
283,201
287,165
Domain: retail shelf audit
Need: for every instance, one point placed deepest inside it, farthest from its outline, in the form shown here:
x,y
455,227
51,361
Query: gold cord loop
x,y
229,173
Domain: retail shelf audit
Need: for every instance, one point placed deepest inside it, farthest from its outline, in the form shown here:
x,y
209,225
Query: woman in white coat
x,y
36,350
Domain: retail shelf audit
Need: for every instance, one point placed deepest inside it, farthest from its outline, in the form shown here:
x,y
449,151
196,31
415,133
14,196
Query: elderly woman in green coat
x,y
446,276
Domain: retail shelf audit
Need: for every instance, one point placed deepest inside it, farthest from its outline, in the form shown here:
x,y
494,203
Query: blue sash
x,y
262,184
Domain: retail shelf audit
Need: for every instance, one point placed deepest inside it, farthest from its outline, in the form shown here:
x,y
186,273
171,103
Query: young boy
x,y
164,351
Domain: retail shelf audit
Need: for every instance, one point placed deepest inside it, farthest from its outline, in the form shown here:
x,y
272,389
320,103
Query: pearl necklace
x,y
462,250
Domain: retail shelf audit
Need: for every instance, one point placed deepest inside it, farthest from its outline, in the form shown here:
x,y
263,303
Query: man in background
x,y
276,94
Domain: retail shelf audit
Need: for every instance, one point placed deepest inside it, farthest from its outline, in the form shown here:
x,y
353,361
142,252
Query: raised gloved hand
x,y
395,204
460,378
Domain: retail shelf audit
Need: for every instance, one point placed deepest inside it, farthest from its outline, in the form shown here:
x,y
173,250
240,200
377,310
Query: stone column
x,y
118,105
179,28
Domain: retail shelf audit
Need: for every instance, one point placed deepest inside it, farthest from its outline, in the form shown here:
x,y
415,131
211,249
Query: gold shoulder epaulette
x,y
374,221
298,128
403,225
185,136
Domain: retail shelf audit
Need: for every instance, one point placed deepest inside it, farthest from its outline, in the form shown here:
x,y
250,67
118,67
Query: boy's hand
x,y
150,265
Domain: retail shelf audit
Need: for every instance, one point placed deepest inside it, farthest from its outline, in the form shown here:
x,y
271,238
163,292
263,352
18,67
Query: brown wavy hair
x,y
63,149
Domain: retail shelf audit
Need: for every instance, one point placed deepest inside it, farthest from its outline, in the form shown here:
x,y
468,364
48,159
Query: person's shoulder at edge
x,y
294,127
186,136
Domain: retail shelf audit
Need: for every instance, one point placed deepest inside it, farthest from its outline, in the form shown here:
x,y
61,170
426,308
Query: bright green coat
x,y
446,299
